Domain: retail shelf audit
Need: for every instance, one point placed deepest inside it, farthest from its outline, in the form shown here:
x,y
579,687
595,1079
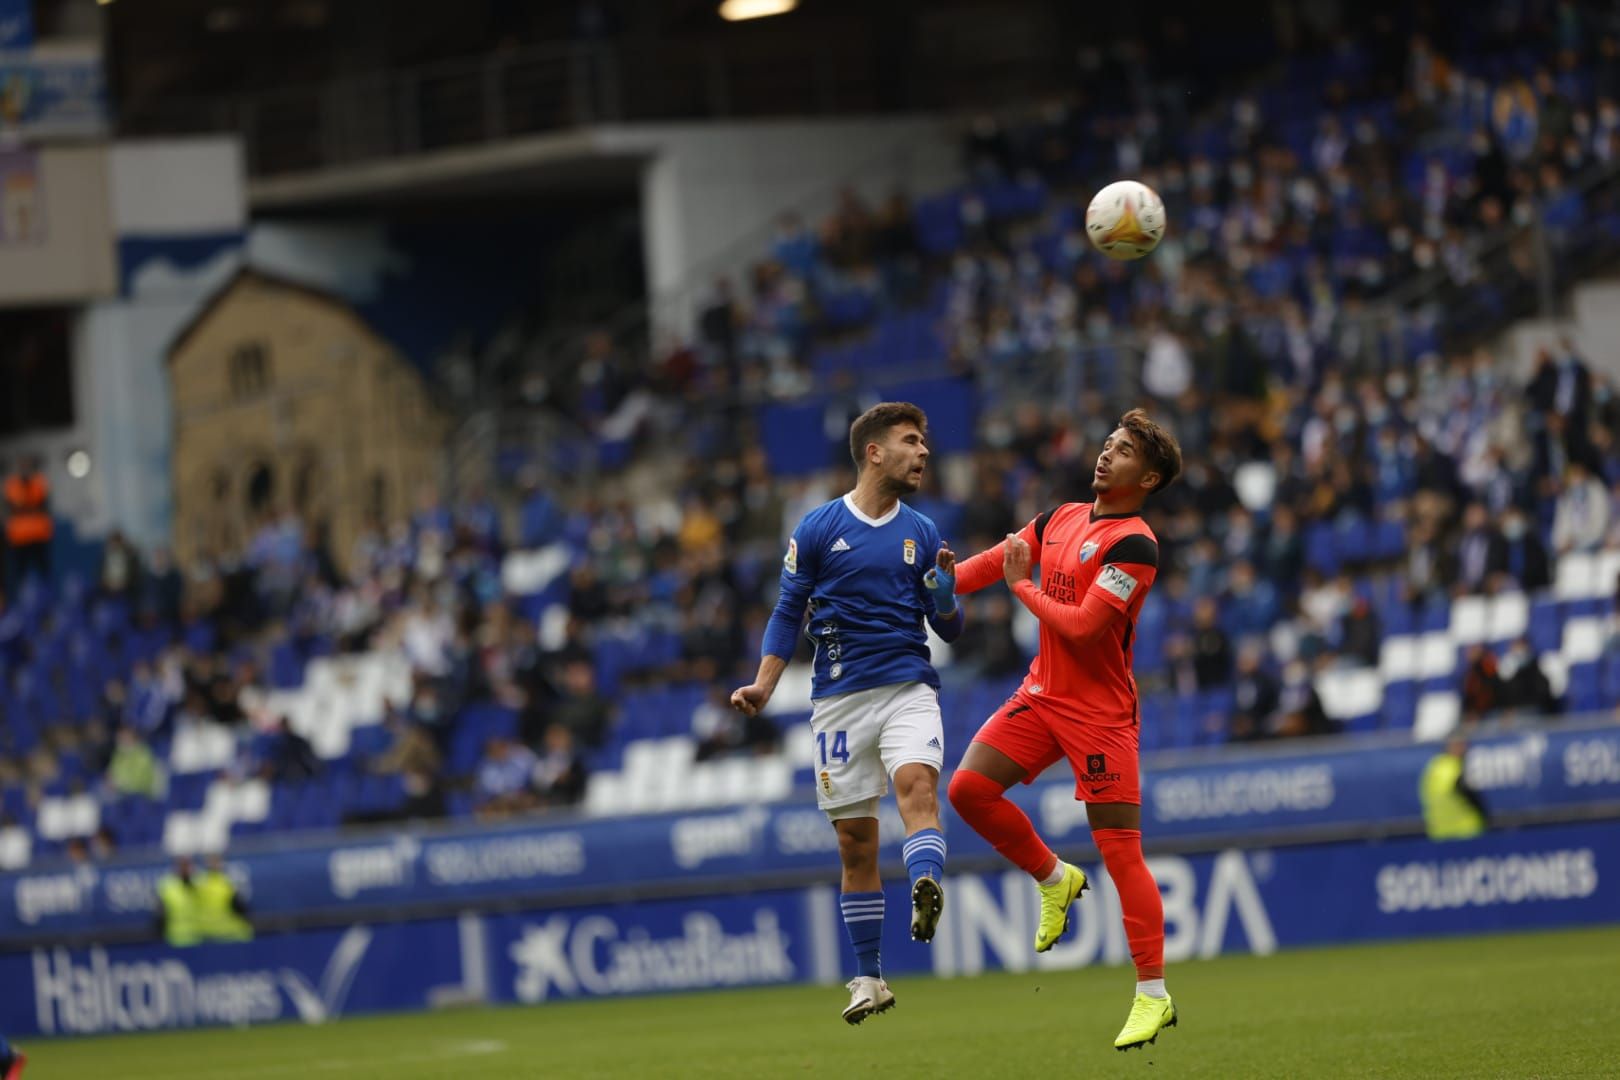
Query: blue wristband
x,y
943,586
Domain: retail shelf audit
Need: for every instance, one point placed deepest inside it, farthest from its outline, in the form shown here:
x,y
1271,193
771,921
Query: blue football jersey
x,y
863,580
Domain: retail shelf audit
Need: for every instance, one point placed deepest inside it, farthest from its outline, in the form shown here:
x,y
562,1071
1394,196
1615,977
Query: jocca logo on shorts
x,y
1097,768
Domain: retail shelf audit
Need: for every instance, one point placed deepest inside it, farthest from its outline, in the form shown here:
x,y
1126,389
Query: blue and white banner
x,y
56,94
16,24
1278,798
1231,901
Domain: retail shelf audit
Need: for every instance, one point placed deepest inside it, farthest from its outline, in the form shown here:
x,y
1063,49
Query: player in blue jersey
x,y
872,570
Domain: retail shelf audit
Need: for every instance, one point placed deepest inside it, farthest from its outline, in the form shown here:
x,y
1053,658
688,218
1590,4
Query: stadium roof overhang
x,y
563,166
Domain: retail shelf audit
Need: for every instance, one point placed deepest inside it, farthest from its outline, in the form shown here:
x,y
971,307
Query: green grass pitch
x,y
1527,1005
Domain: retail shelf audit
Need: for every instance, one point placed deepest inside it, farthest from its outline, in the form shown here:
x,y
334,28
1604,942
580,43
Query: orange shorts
x,y
1104,759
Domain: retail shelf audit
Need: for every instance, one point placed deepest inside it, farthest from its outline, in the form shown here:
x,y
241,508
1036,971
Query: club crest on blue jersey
x,y
1087,550
911,553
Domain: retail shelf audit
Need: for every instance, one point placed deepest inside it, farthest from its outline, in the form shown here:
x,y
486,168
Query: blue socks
x,y
925,855
863,918
863,911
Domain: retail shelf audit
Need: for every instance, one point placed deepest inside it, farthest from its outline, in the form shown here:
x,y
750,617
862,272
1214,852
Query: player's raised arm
x,y
985,568
782,631
1128,566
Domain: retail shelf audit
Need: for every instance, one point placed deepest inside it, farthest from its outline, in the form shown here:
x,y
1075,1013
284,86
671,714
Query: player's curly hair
x,y
874,423
1159,447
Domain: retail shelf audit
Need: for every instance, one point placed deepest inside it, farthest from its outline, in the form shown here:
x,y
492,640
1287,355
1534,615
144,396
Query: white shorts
x,y
862,737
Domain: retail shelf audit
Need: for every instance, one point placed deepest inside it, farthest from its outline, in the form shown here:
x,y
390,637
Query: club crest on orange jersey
x,y
911,553
1087,550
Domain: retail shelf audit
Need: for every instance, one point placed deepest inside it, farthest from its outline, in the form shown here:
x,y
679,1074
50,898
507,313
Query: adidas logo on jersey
x,y
841,545
934,743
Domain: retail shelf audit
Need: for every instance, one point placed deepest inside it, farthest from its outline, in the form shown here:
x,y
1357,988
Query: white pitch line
x,y
444,1053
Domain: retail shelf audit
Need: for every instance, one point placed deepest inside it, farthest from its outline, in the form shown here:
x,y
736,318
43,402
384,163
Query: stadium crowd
x,y
1293,204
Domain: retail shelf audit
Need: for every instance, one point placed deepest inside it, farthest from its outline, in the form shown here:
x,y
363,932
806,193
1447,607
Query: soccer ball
x,y
1125,220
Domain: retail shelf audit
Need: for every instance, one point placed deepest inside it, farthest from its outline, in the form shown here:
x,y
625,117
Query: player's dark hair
x,y
873,424
1159,447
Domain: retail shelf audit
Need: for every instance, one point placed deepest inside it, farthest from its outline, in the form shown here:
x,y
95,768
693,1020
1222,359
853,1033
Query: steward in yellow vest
x,y
1451,809
194,908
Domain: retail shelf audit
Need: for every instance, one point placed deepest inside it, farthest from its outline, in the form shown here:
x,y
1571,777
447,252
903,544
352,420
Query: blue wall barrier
x,y
1280,798
1221,902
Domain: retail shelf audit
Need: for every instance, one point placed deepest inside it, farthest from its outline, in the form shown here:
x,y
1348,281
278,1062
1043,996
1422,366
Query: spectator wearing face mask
x,y
1524,556
1581,518
1524,685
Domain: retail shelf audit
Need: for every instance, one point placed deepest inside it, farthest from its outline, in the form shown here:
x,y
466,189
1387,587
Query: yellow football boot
x,y
1055,901
1149,1016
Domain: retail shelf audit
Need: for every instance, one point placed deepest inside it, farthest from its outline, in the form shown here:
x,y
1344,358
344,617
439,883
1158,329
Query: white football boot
x,y
867,997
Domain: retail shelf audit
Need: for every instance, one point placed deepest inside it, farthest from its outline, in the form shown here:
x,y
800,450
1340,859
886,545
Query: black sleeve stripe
x,y
1040,524
1135,548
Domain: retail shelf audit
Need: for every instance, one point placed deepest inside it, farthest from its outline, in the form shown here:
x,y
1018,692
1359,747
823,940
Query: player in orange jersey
x,y
1097,561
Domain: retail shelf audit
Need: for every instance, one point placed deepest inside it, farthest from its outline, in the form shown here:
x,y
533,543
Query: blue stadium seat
x,y
14,804
1400,704
1389,540
367,741
187,790
1321,550
1610,664
1435,615
286,666
1398,619
1546,625
1369,722
1585,692
1353,542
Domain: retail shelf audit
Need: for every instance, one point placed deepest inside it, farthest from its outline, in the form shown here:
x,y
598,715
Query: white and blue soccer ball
x,y
1125,220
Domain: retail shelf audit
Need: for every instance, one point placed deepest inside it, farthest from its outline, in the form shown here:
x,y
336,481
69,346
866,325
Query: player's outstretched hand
x,y
1015,559
749,699
941,580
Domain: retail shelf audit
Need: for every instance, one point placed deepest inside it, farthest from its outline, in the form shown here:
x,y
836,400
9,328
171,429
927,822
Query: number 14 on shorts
x,y
840,746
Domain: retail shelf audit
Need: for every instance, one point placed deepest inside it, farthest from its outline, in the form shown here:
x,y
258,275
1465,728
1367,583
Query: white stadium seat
x,y
1348,692
772,778
319,674
672,764
525,573
1605,573
1556,668
49,818
62,818
1437,655
792,691
605,795
738,780
180,833
250,801
705,786
1578,577
1583,640
1398,658
1507,617
1437,715
16,847
1468,616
